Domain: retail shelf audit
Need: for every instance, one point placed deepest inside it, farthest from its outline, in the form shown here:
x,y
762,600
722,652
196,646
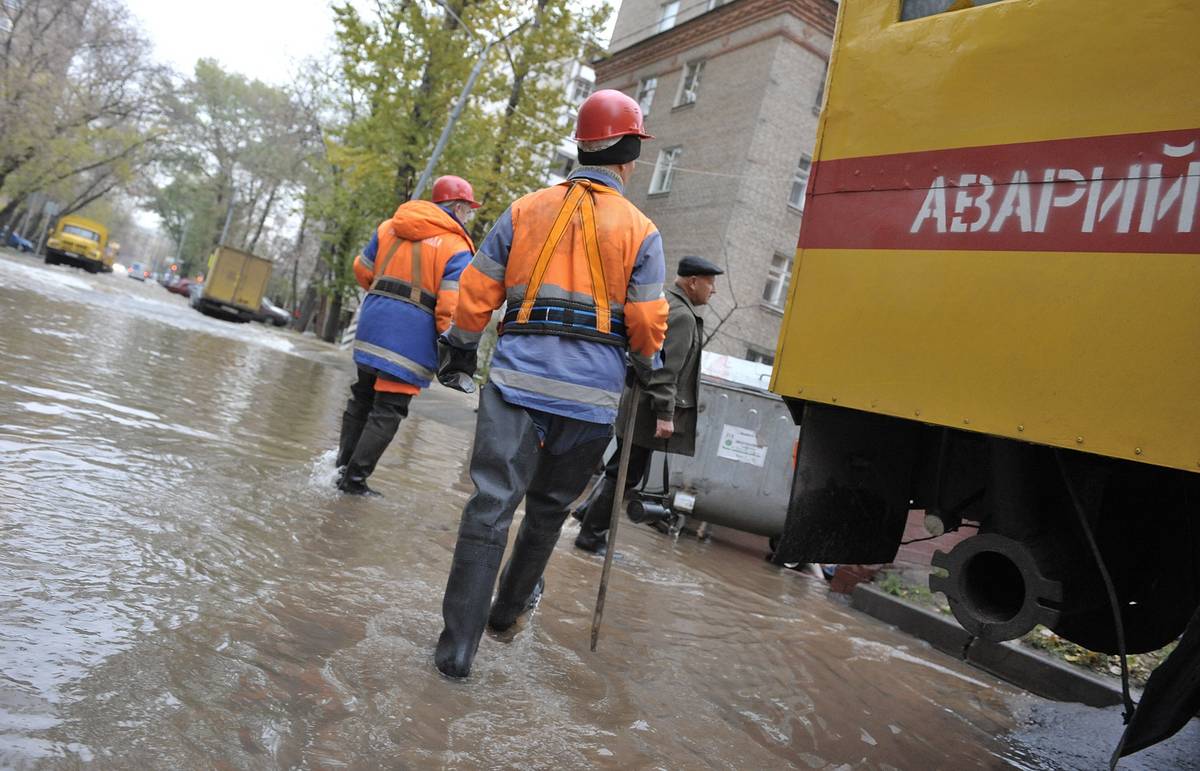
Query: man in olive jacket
x,y
667,409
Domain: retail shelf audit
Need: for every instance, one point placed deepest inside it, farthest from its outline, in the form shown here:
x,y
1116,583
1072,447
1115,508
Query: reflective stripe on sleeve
x,y
488,267
637,293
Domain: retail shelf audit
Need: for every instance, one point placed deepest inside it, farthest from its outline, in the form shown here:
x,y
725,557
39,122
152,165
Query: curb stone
x,y
1010,661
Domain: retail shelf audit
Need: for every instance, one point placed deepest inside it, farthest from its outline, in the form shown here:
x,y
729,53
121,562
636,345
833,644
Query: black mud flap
x,y
1171,698
852,486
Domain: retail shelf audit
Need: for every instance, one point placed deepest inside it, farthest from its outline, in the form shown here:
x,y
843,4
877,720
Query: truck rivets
x,y
1137,450
1021,427
1079,440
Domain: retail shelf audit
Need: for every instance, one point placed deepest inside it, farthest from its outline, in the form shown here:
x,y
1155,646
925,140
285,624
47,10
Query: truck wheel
x,y
51,259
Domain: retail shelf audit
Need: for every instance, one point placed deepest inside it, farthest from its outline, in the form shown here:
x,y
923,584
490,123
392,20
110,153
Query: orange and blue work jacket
x,y
410,270
582,271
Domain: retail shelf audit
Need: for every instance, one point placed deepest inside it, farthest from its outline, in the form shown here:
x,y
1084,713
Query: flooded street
x,y
181,587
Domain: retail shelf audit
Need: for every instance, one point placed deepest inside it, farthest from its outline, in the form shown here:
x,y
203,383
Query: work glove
x,y
456,367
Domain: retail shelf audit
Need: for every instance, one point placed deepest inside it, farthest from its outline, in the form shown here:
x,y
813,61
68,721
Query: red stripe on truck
x,y
1124,193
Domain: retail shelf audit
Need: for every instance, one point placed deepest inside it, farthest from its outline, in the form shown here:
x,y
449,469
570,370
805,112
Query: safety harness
x,y
398,289
549,316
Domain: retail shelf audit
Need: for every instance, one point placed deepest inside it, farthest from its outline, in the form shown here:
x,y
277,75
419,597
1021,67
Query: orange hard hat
x,y
607,114
452,188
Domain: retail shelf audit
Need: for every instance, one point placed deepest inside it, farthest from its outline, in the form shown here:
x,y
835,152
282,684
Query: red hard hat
x,y
452,188
607,114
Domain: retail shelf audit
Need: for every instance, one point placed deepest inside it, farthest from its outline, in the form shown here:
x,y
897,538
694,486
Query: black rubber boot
x,y
503,618
465,606
352,428
502,464
593,527
354,418
581,510
356,486
381,426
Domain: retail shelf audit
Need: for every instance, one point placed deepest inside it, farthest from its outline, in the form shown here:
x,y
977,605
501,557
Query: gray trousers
x,y
511,461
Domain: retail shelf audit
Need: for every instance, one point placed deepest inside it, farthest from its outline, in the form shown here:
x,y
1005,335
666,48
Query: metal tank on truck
x,y
995,316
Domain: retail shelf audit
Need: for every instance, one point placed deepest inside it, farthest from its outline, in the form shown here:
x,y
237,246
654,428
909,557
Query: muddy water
x,y
180,588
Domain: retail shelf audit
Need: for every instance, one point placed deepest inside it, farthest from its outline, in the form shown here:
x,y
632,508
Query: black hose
x,y
1108,585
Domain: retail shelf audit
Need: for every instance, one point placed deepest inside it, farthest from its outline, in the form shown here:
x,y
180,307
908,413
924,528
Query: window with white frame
x,y
712,4
760,355
669,12
689,85
645,94
664,170
800,183
581,88
778,274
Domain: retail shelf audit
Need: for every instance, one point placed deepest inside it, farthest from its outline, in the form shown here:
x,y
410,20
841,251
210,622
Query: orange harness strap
x,y
579,196
414,293
382,268
591,243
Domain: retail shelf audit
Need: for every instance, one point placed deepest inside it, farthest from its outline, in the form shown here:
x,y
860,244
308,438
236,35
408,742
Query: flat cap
x,y
697,266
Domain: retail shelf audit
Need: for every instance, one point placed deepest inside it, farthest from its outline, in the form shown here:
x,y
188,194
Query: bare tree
x,y
79,98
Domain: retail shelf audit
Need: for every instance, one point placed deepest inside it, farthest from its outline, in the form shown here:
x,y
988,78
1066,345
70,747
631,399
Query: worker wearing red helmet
x,y
410,270
582,271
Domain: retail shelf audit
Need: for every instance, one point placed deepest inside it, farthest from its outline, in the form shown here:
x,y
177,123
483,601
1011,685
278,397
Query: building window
x,y
581,89
562,164
669,12
778,274
664,170
800,183
645,94
713,4
760,355
689,86
821,91
917,9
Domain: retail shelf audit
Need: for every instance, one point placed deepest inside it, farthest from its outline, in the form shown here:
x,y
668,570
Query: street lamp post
x,y
448,129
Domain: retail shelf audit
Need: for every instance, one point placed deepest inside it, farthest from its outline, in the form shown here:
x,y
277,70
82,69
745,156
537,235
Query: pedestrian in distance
x,y
667,405
582,271
410,270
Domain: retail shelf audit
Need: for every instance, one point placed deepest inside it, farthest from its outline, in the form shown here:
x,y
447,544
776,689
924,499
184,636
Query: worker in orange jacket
x,y
582,271
410,270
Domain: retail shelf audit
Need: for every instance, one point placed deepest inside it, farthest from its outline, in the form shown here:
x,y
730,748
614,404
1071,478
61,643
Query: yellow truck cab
x,y
78,241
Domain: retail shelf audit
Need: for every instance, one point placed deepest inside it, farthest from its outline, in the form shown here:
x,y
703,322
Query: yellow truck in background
x,y
81,242
234,286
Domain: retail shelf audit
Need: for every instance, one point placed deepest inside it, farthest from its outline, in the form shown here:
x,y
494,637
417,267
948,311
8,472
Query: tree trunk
x,y
333,317
296,261
263,218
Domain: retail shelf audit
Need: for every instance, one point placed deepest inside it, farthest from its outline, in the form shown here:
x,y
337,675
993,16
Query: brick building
x,y
731,91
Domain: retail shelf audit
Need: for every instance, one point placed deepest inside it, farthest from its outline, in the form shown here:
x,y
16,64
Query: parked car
x,y
270,313
17,241
181,286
